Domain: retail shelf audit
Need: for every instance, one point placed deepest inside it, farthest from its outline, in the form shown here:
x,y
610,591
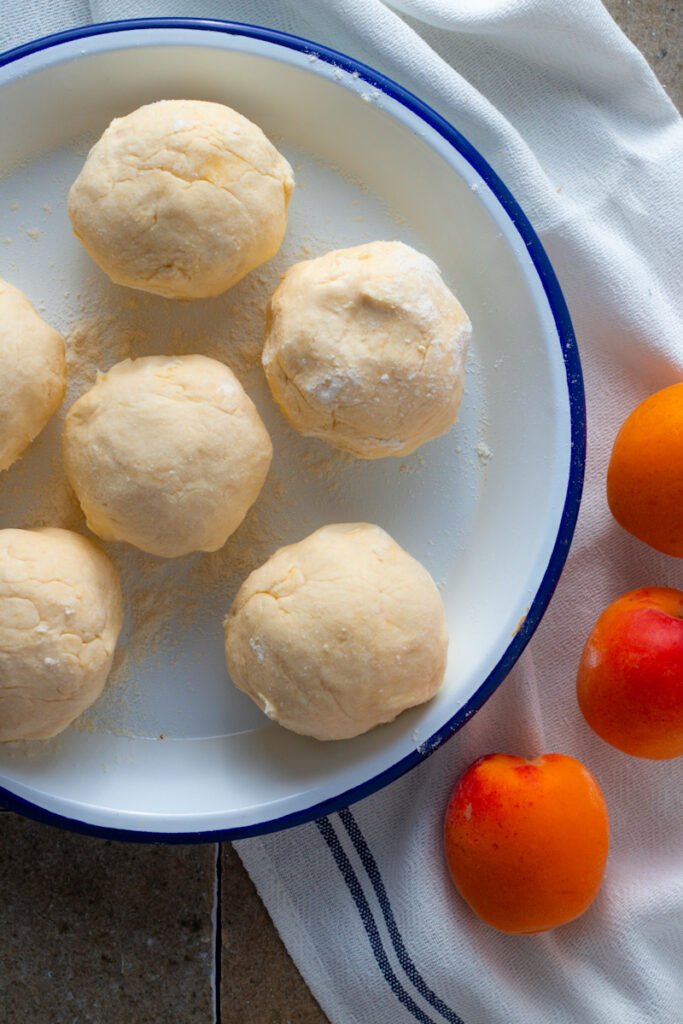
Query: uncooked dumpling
x,y
338,633
181,198
167,453
365,349
60,617
32,373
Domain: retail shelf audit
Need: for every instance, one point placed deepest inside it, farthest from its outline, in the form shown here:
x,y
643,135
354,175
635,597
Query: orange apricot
x,y
526,841
645,474
629,682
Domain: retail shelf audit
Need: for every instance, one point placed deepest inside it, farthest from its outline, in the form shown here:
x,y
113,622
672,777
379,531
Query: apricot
x,y
630,678
645,473
526,841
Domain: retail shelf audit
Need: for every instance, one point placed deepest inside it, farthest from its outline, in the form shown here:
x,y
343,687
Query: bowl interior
x,y
172,747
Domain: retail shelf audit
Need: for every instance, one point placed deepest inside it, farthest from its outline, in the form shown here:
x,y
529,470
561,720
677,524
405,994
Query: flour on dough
x,y
60,617
167,453
338,633
181,198
365,348
32,373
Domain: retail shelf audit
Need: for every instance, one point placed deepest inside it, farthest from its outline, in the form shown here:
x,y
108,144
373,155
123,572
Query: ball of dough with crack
x,y
182,198
167,453
32,373
338,633
60,617
365,348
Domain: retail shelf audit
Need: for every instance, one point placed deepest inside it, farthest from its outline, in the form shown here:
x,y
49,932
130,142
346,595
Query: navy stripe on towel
x,y
342,861
363,850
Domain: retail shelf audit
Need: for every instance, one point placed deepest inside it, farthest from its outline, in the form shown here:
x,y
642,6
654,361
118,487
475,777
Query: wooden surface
x,y
656,28
92,930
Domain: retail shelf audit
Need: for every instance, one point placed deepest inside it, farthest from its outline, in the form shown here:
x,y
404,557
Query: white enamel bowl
x,y
489,509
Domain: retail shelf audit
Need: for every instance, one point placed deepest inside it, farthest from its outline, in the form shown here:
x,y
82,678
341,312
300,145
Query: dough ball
x,y
181,198
32,373
365,348
167,453
60,617
338,633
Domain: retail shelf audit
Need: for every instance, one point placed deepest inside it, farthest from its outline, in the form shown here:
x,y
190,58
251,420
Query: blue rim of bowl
x,y
577,410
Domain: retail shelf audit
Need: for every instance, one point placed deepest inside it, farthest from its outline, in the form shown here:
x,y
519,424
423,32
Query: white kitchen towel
x,y
573,120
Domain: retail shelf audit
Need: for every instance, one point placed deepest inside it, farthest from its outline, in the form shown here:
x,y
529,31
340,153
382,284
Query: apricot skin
x,y
630,676
645,472
526,841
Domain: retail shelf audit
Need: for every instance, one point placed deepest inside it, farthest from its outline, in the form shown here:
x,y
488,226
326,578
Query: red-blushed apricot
x,y
526,841
630,678
645,473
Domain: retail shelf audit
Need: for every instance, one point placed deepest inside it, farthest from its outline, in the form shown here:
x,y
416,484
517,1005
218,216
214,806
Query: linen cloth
x,y
570,116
